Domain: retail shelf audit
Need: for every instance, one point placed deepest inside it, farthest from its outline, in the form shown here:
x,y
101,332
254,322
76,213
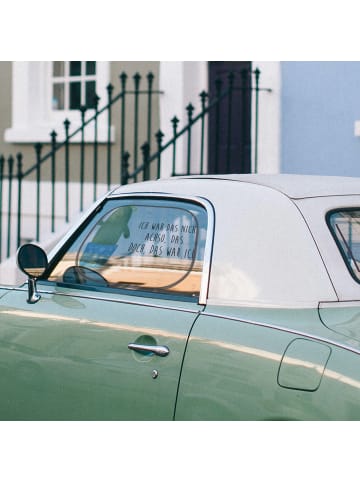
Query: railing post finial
x,y
159,137
125,168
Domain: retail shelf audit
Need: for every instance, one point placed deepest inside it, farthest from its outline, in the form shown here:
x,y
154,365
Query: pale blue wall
x,y
320,103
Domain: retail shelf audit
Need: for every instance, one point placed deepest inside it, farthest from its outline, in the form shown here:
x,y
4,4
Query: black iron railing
x,y
224,93
59,158
143,163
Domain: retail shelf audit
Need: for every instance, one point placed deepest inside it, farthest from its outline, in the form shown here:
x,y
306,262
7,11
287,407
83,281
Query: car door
x,y
107,338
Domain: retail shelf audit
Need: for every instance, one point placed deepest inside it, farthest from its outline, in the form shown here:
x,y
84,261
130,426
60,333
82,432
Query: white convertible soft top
x,y
297,186
271,244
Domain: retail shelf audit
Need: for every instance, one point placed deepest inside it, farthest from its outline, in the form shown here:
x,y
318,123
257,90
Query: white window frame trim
x,y
33,118
66,79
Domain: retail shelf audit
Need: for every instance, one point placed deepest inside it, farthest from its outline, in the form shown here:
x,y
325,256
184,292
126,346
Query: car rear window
x,y
345,228
153,245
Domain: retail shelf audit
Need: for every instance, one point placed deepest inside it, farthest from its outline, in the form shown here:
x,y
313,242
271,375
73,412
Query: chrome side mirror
x,y
32,261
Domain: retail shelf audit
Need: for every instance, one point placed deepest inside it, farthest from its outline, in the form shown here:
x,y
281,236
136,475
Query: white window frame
x,y
66,80
33,118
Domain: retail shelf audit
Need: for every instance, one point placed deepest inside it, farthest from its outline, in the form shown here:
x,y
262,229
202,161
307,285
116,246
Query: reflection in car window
x,y
345,227
137,244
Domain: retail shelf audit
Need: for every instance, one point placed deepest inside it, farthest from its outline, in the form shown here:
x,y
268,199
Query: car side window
x,y
345,227
154,245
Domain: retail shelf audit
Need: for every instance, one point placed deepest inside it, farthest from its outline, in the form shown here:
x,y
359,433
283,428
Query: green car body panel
x,y
264,365
203,298
67,358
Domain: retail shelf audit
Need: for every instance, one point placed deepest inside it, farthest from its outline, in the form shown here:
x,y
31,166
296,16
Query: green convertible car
x,y
230,297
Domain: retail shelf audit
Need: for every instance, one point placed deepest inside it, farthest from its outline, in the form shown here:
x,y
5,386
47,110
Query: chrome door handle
x,y
155,349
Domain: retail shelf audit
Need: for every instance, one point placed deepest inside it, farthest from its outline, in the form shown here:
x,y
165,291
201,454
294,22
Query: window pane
x,y
75,95
345,227
75,68
58,97
90,94
58,69
148,245
90,68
